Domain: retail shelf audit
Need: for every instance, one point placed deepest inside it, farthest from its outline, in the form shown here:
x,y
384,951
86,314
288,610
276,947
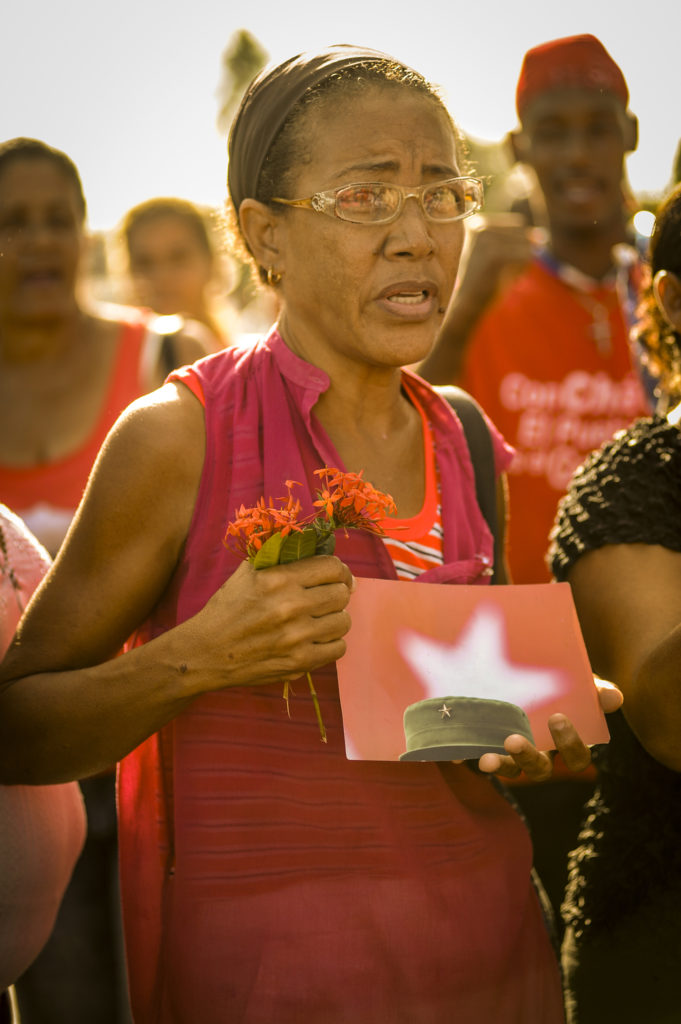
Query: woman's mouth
x,y
409,300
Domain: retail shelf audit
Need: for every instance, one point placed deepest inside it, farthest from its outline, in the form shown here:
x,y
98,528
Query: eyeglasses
x,y
375,202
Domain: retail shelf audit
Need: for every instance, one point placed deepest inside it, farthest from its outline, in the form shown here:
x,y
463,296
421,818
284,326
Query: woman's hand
x,y
270,624
537,765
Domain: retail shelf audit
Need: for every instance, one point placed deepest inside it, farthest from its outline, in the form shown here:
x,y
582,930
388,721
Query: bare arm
x,y
628,599
68,707
499,247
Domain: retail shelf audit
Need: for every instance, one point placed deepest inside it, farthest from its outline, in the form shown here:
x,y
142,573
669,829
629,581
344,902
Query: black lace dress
x,y
622,908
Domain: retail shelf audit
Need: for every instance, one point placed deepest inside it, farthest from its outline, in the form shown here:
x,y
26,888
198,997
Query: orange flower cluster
x,y
253,526
351,502
345,501
268,536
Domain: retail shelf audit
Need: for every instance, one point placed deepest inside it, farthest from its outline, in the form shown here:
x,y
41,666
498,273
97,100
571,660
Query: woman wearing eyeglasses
x,y
265,877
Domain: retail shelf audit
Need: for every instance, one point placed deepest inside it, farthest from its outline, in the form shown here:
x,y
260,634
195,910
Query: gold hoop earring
x,y
272,276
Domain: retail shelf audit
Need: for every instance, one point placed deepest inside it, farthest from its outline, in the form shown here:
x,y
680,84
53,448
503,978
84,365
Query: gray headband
x,y
267,103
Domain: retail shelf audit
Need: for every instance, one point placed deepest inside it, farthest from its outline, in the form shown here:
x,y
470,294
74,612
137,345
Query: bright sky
x,y
128,88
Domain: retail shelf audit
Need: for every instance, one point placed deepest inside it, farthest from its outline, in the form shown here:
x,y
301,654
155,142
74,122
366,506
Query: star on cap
x,y
444,711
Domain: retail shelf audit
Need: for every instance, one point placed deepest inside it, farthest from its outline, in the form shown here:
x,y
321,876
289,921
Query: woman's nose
x,y
410,234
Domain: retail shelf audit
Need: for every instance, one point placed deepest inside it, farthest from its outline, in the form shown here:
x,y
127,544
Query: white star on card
x,y
477,665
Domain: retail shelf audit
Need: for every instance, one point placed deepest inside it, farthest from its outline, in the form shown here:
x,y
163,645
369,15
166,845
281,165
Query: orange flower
x,y
252,527
268,536
350,502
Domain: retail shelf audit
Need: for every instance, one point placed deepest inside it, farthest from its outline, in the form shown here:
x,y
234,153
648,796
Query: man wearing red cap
x,y
549,358
546,352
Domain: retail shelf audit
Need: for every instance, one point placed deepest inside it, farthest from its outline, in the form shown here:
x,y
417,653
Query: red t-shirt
x,y
535,368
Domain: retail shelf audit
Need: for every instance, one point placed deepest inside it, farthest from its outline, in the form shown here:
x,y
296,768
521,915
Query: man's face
x,y
575,140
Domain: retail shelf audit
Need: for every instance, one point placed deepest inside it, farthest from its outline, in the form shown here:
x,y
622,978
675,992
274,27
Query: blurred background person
x,y
545,349
176,268
42,828
618,543
538,333
66,372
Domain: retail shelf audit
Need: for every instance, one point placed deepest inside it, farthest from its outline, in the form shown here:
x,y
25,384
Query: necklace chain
x,y
583,287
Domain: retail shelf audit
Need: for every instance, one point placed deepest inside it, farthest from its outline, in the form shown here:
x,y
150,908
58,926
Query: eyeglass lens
x,y
374,202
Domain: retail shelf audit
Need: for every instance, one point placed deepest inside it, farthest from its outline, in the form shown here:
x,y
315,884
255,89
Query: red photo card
x,y
409,642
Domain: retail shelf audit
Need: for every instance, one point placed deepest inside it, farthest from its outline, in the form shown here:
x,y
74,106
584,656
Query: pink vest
x,y
264,876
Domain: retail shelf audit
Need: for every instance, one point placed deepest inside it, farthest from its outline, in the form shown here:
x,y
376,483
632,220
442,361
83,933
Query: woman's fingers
x,y
569,744
274,623
609,696
499,764
522,756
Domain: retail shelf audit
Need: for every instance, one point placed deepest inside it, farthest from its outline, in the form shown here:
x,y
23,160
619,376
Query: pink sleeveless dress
x,y
265,877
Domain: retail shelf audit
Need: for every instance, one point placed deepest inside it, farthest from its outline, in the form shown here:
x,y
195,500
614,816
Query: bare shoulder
x,y
628,597
151,462
166,423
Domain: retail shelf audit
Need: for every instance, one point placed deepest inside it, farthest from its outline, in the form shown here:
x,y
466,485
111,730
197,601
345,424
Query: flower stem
x,y
288,692
317,709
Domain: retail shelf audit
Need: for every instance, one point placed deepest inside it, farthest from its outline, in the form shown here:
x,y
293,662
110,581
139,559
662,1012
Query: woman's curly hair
x,y
661,344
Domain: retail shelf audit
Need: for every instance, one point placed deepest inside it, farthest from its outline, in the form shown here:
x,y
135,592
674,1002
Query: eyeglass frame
x,y
325,202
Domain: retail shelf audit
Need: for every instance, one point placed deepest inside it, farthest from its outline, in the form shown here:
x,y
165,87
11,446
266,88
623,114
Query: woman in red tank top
x,y
66,370
66,373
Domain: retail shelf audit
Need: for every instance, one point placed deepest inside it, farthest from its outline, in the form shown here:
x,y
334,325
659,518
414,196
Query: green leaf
x,y
326,544
269,553
297,546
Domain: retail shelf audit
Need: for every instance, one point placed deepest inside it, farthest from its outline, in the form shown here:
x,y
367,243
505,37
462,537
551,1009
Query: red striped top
x,y
415,544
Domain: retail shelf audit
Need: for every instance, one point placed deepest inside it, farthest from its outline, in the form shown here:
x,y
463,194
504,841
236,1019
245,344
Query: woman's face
x,y
369,294
169,267
41,241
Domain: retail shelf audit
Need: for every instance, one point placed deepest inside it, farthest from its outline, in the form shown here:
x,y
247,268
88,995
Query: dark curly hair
x,y
661,344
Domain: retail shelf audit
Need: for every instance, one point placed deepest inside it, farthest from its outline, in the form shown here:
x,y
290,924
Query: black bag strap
x,y
482,456
168,359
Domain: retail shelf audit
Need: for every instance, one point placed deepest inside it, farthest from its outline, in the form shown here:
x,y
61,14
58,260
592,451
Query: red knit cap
x,y
575,61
